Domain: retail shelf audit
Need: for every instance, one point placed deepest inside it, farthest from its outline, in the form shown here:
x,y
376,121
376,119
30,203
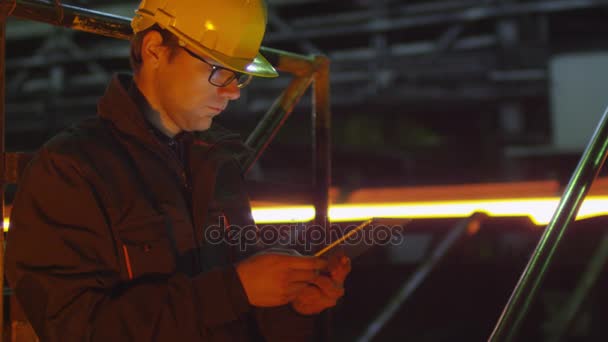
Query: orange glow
x,y
537,200
540,210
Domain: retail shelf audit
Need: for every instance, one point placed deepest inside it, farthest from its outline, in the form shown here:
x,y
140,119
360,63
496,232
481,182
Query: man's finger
x,y
340,270
335,259
293,289
304,263
322,302
328,287
302,276
309,294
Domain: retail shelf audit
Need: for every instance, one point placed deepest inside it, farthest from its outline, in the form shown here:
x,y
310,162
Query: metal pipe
x,y
367,14
274,119
525,291
472,223
574,303
73,17
321,121
298,65
321,140
3,16
14,163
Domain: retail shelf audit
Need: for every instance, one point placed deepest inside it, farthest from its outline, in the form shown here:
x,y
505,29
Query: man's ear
x,y
152,49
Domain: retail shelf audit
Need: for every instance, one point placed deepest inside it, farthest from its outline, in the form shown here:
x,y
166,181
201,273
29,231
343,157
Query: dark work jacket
x,y
107,237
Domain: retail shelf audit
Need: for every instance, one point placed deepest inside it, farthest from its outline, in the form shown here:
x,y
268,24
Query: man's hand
x,y
324,291
271,279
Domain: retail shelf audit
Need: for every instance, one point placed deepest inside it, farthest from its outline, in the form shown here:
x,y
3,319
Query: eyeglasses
x,y
222,77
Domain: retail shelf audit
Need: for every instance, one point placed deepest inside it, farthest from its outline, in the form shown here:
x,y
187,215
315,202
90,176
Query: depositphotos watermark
x,y
307,238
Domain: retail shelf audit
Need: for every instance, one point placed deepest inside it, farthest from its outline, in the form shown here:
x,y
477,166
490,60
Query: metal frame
x,y
4,10
531,279
465,12
438,54
469,225
571,309
307,69
413,69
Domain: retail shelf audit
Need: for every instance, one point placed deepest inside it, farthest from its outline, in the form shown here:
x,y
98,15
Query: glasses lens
x,y
222,77
243,80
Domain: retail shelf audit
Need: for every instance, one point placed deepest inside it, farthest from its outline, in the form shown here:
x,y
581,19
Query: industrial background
x,y
431,100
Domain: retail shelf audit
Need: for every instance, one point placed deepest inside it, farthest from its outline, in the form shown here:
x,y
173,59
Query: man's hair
x,y
169,40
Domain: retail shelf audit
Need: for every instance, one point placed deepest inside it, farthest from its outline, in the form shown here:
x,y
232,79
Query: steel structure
x,y
425,61
383,51
307,69
470,225
580,294
531,279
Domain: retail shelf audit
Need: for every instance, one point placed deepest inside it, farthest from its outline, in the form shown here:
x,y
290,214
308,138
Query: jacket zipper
x,y
190,199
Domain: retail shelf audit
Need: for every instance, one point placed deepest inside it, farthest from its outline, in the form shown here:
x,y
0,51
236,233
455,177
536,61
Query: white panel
x,y
579,96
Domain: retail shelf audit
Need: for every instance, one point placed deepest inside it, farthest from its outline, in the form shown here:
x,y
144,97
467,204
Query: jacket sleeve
x,y
63,263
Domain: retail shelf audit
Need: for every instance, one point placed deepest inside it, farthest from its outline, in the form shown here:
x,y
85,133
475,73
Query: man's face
x,y
185,94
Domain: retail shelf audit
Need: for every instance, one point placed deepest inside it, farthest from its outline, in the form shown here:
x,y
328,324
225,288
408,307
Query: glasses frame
x,y
216,68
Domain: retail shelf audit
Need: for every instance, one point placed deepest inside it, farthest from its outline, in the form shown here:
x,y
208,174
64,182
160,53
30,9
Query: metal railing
x,y
468,226
531,279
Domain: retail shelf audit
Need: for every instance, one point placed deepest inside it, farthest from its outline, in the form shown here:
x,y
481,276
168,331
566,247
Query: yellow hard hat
x,y
228,31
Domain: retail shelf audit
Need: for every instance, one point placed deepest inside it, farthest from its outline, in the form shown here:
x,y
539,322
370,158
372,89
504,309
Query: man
x,y
108,227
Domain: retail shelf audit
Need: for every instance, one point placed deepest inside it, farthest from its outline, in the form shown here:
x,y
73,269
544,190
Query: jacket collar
x,y
121,108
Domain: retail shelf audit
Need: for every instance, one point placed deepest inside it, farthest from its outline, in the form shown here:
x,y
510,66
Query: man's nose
x,y
231,91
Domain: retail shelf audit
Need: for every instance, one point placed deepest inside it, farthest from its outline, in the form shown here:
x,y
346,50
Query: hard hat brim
x,y
259,67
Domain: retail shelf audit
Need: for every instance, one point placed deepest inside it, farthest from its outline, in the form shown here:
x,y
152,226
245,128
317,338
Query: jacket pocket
x,y
147,248
149,258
